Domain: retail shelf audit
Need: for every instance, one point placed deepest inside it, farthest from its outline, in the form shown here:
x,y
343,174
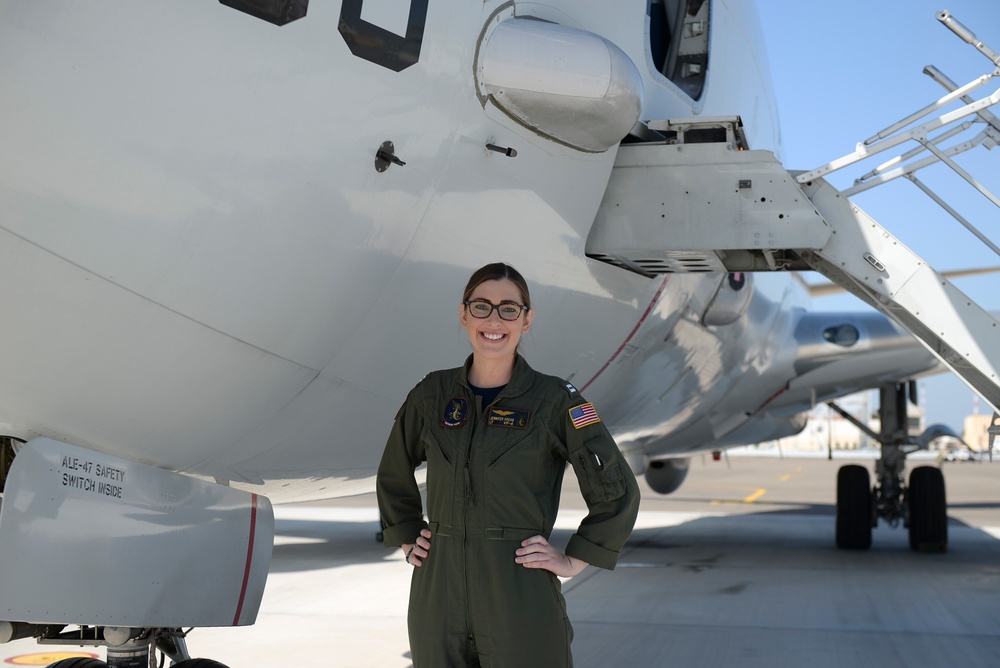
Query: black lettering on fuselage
x,y
108,489
278,12
378,45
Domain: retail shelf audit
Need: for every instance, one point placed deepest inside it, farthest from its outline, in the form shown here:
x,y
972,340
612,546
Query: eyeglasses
x,y
481,308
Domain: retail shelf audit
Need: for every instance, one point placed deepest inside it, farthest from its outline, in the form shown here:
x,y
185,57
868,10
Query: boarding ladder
x,y
689,196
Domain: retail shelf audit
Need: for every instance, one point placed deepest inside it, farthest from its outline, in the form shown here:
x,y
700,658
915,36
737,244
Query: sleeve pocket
x,y
599,480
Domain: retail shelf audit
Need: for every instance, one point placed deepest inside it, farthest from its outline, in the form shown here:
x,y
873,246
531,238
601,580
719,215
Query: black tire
x,y
79,662
854,508
200,663
928,510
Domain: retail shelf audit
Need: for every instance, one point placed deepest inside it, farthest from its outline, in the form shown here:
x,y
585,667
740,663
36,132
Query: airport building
x,y
827,430
976,432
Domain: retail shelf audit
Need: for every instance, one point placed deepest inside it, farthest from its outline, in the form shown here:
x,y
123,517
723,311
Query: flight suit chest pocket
x,y
440,450
518,479
511,444
440,478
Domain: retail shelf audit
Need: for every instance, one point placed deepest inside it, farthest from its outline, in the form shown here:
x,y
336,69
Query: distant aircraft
x,y
235,235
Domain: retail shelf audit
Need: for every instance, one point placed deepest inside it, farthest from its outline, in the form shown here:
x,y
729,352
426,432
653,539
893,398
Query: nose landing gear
x,y
921,506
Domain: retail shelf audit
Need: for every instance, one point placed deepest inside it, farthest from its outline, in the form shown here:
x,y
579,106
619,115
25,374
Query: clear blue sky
x,y
845,70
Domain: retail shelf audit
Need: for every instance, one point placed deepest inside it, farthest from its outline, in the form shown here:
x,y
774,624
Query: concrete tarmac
x,y
737,568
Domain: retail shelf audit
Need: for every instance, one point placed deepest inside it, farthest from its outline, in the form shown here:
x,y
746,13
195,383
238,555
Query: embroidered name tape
x,y
510,418
583,415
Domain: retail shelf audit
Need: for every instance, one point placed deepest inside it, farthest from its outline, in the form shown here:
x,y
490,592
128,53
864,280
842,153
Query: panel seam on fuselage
x,y
151,301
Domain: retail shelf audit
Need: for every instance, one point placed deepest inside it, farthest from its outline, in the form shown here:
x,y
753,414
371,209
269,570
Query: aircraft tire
x,y
79,662
928,510
199,663
854,508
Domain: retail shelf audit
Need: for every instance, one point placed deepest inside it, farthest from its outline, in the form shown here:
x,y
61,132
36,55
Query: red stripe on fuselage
x,y
246,569
635,329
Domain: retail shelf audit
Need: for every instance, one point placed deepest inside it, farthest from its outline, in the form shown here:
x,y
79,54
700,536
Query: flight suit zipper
x,y
470,498
470,502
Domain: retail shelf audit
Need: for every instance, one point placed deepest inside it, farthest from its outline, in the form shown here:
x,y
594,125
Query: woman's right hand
x,y
420,550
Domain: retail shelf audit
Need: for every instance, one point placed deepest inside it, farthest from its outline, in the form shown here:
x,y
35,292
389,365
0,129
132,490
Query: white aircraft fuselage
x,y
208,274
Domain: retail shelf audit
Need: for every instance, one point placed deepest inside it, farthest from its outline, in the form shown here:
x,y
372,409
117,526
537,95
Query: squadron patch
x,y
455,413
510,418
583,415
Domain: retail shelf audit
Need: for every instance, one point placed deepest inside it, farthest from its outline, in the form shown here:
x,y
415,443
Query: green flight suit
x,y
494,478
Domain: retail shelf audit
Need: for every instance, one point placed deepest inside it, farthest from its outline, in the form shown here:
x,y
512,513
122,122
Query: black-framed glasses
x,y
482,308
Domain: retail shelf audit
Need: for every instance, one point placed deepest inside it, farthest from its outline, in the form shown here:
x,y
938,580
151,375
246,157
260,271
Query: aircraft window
x,y
842,335
678,42
278,12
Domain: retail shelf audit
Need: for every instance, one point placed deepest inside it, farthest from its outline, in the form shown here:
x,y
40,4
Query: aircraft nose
x,y
567,84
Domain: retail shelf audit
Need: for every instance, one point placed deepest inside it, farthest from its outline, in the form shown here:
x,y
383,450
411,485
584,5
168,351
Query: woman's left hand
x,y
535,552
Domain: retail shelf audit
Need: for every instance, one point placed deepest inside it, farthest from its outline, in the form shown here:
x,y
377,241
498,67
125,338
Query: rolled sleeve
x,y
399,503
595,555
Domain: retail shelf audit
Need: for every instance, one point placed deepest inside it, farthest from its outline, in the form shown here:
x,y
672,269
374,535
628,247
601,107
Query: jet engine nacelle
x,y
664,476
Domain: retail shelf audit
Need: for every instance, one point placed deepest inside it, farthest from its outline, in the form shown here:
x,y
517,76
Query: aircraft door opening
x,y
678,42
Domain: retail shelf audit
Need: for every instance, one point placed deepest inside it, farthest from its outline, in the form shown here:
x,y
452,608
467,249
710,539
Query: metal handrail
x,y
864,152
895,135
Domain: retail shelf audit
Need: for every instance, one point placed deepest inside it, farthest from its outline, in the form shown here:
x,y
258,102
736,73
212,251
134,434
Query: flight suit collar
x,y
519,383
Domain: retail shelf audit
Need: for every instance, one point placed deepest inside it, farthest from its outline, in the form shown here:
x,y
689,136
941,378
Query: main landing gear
x,y
921,506
126,647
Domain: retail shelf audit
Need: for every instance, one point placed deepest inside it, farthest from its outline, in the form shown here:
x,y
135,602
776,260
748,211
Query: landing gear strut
x,y
921,506
126,647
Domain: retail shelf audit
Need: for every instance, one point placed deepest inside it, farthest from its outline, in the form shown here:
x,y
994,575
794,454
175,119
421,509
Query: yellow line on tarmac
x,y
760,491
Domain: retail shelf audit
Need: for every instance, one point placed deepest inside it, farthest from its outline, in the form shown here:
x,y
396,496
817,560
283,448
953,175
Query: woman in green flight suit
x,y
496,436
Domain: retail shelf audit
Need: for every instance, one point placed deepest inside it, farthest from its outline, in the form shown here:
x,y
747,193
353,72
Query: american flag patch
x,y
583,415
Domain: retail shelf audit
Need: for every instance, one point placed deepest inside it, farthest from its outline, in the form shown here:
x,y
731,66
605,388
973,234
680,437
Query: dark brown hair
x,y
495,272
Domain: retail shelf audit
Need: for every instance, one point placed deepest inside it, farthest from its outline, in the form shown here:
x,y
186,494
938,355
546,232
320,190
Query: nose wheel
x,y
854,508
928,516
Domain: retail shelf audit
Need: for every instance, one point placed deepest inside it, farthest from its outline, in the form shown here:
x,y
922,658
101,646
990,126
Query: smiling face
x,y
492,338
